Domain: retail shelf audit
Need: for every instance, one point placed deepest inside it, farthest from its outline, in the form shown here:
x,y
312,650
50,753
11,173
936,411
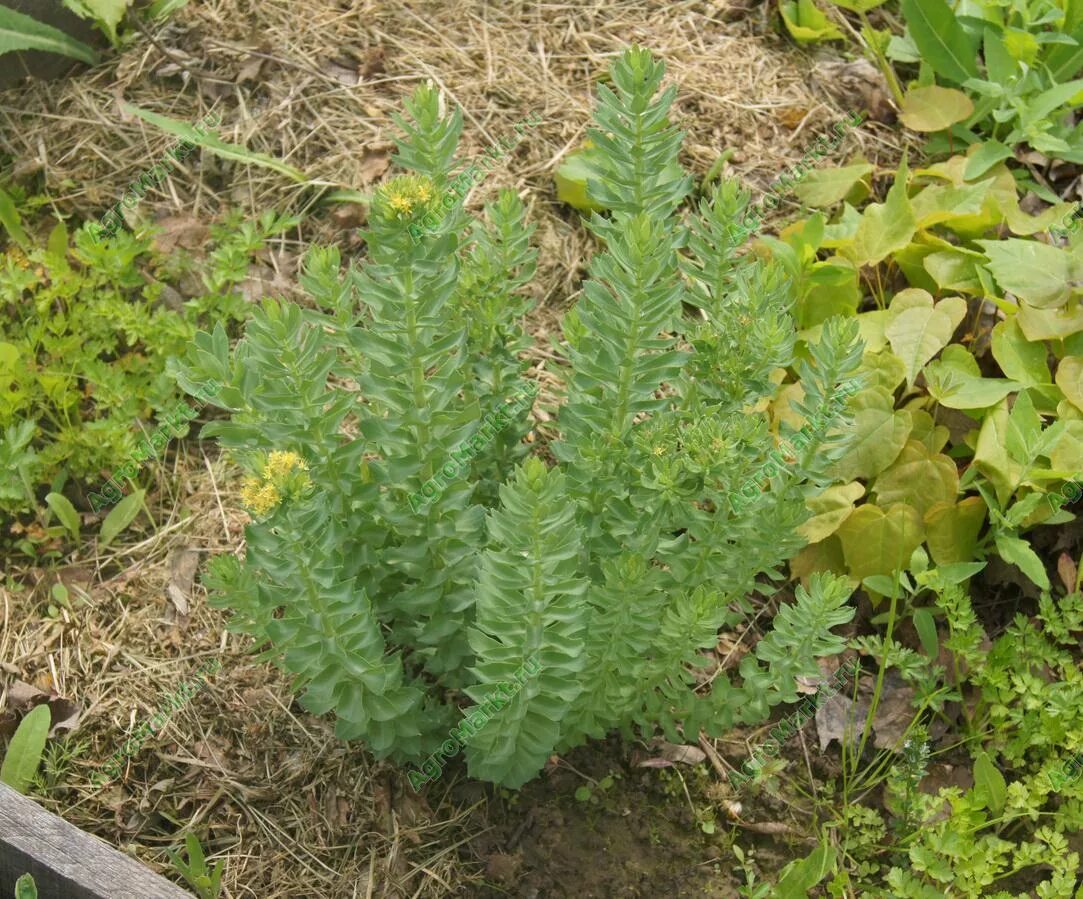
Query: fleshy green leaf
x,y
9,218
107,13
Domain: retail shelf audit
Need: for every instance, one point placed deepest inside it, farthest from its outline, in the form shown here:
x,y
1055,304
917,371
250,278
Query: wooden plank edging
x,y
68,863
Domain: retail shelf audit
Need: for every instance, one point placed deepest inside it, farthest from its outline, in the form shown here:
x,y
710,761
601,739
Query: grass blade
x,y
220,147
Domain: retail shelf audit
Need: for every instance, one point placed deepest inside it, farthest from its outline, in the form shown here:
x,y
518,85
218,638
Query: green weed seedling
x,y
206,881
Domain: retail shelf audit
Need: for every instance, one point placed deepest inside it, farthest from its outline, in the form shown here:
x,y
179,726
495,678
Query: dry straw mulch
x,y
292,810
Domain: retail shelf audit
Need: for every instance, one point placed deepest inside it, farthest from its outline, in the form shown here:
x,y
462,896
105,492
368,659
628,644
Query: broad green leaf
x,y
927,432
208,141
943,42
918,478
805,874
1070,379
879,542
826,187
919,333
925,625
9,218
830,509
950,203
951,530
25,888
65,511
883,369
1021,45
571,179
884,227
934,108
989,781
19,32
107,13
991,454
879,432
1020,359
122,515
25,749
1034,271
955,270
954,381
1050,324
806,22
983,157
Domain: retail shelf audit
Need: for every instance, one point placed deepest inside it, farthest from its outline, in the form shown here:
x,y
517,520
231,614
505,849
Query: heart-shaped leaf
x,y
879,542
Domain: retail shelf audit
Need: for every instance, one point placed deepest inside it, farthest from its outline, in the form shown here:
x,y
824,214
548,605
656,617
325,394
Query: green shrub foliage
x,y
616,566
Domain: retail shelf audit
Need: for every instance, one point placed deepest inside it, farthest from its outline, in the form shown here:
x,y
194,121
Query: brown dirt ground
x,y
292,811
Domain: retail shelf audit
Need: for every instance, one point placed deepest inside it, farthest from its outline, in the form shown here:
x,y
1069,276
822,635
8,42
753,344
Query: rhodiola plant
x,y
612,569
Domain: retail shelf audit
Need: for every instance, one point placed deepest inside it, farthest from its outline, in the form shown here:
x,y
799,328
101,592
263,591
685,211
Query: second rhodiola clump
x,y
613,566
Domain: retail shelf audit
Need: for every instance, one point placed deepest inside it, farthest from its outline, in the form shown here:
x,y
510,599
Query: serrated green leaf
x,y
1032,270
107,13
19,32
122,515
24,751
884,227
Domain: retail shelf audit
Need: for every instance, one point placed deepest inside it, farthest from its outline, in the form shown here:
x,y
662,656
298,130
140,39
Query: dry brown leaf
x,y
668,754
373,165
893,715
1067,571
180,231
791,116
182,574
840,716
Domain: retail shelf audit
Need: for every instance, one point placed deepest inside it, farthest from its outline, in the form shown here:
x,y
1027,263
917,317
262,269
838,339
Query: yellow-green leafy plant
x,y
616,566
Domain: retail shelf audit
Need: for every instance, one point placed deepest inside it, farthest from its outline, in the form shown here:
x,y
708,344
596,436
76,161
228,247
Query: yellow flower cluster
x,y
401,195
261,495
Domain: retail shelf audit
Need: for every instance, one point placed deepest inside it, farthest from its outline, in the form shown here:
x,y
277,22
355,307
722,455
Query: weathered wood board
x,y
66,862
